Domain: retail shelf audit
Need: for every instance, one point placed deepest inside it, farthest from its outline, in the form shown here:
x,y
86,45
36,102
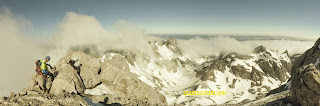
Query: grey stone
x,y
2,99
89,67
115,75
305,86
12,94
67,81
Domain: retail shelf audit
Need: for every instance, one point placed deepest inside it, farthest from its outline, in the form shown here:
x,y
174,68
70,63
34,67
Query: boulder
x,y
87,66
305,86
36,85
23,92
67,80
2,99
12,94
116,75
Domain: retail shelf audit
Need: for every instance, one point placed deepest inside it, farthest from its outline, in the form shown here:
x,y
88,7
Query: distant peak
x,y
171,41
259,49
317,44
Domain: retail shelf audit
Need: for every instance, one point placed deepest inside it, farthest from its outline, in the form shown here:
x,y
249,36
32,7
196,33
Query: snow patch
x,y
99,90
77,62
288,85
200,61
102,58
317,62
111,56
165,52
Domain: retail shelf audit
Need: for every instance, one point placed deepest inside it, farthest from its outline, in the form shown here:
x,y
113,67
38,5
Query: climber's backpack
x,y
38,69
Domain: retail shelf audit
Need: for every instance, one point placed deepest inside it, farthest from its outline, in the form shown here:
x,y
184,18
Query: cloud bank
x,y
18,53
198,47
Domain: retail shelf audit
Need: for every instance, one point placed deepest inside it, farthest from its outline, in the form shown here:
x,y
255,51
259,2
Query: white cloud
x,y
198,47
18,53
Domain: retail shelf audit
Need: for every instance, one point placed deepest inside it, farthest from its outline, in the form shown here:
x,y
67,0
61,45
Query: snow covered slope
x,y
243,77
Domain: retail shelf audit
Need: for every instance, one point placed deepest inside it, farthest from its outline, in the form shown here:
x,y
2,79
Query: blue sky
x,y
287,17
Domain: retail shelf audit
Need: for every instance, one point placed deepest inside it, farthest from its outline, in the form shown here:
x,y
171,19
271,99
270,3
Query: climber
x,y
75,63
45,72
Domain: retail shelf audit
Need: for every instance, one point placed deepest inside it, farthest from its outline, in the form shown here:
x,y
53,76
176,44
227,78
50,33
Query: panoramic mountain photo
x,y
159,53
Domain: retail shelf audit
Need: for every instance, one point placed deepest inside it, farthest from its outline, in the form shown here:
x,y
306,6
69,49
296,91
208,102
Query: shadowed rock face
x,y
305,88
305,85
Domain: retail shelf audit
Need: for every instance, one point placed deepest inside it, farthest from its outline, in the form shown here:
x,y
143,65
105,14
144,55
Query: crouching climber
x,y
75,63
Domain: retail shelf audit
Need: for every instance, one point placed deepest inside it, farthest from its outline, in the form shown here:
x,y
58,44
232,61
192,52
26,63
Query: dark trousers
x,y
44,81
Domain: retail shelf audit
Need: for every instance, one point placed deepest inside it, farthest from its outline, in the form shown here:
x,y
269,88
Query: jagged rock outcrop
x,y
305,85
172,44
275,67
167,49
67,80
305,88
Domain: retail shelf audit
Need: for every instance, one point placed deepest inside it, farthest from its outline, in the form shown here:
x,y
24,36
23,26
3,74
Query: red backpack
x,y
38,69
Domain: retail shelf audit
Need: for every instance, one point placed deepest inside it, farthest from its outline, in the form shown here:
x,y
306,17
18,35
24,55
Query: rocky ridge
x,y
73,82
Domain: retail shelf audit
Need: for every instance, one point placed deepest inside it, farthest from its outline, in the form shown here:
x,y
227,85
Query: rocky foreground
x,y
77,86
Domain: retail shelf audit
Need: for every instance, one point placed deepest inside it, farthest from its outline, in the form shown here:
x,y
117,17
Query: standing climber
x,y
45,72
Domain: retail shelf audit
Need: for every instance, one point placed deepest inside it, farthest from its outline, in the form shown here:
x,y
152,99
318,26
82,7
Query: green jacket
x,y
43,65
